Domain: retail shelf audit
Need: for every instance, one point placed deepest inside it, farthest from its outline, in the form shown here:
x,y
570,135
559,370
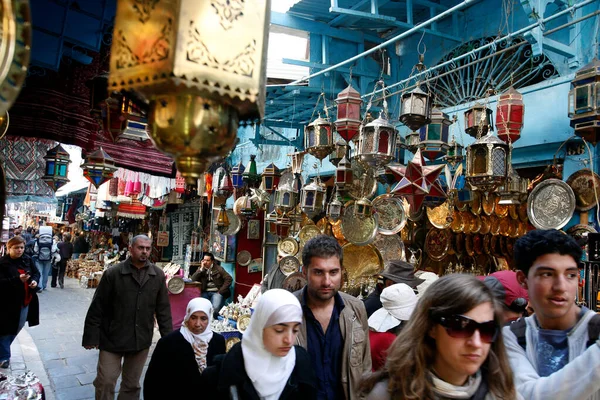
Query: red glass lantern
x,y
343,174
348,113
270,178
476,118
283,226
509,115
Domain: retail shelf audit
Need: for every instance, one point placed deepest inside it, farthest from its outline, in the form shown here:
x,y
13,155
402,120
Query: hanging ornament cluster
x,y
98,167
584,102
57,167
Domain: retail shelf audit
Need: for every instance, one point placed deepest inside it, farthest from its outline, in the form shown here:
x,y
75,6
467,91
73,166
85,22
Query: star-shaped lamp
x,y
418,182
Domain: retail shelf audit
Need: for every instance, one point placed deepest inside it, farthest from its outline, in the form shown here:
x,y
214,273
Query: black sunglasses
x,y
461,327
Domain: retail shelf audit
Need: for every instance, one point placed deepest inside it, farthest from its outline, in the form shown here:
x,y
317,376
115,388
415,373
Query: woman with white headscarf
x,y
266,365
180,358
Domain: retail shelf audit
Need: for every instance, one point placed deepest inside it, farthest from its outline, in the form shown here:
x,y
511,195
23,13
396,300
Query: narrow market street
x,y
53,349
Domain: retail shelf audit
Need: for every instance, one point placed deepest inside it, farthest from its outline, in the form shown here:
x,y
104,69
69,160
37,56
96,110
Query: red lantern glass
x,y
509,115
473,120
348,103
343,174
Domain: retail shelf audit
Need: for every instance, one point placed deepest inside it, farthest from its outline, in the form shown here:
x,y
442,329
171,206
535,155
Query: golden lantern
x,y
488,160
412,141
318,138
363,208
200,65
512,190
341,149
222,220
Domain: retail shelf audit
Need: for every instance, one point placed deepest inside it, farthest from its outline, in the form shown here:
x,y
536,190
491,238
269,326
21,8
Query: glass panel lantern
x,y
270,178
510,112
510,192
455,154
318,138
377,143
341,149
98,167
415,109
286,198
225,188
282,226
248,208
57,166
487,163
222,220
363,208
312,197
434,136
348,119
412,141
476,118
250,175
584,102
343,174
334,208
237,175
271,221
297,161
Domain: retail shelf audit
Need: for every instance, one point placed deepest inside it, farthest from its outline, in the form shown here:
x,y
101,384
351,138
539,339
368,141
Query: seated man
x,y
554,353
216,282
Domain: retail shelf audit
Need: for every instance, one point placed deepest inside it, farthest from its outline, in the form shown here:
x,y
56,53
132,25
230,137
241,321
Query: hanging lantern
x,y
296,218
57,167
250,176
248,208
412,141
343,174
318,138
340,150
225,188
476,118
487,163
98,167
415,109
455,154
334,208
312,197
222,220
286,198
348,120
434,136
270,178
377,143
200,65
271,221
510,112
297,160
363,208
511,191
584,102
282,226
237,175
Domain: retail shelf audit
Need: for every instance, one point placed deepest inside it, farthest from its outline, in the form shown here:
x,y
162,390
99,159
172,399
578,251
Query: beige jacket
x,y
356,356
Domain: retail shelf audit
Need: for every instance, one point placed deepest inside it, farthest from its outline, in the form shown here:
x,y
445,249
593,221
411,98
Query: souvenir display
x,y
287,247
586,186
359,231
437,243
551,204
440,216
390,214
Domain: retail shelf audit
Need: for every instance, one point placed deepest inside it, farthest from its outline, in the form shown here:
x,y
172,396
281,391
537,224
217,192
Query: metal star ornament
x,y
418,182
260,197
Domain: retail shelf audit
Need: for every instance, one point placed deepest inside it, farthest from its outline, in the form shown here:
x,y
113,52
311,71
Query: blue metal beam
x,y
309,64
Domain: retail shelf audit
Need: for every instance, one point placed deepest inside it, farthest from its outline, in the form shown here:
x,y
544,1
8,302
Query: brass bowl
x,y
488,203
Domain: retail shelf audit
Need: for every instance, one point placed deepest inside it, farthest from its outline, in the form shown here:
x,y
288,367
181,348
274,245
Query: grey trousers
x,y
109,369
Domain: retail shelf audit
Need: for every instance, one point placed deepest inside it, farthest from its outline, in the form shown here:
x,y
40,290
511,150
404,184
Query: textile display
x,y
183,222
134,210
24,167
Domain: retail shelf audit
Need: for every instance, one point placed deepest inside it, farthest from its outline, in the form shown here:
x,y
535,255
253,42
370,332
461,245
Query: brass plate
x,y
361,261
486,224
496,250
308,232
476,203
478,244
440,216
359,231
229,343
475,224
412,216
551,204
513,232
466,217
457,224
337,232
175,285
580,231
288,265
503,247
390,214
488,203
512,211
459,243
287,247
437,243
500,210
494,225
244,258
364,183
487,244
462,205
391,247
522,212
522,228
504,226
469,245
235,223
294,282
243,322
510,247
583,183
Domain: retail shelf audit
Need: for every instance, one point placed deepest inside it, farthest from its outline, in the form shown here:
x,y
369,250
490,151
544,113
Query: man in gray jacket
x,y
554,353
120,320
334,329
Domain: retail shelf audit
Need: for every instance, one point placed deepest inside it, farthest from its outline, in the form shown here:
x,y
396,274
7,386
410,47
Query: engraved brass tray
x,y
583,183
244,258
361,261
294,282
466,216
500,210
476,203
288,265
308,232
235,223
287,247
486,224
175,285
459,243
359,231
391,247
440,216
488,203
457,224
390,214
469,245
336,230
513,211
475,224
364,183
551,204
437,243
494,225
522,212
487,244
504,226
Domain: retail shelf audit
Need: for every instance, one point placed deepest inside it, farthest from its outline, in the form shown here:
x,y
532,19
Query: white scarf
x,y
269,374
449,391
199,342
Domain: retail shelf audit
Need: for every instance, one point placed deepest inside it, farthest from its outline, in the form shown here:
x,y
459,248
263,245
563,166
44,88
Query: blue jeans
x,y
6,340
217,301
44,267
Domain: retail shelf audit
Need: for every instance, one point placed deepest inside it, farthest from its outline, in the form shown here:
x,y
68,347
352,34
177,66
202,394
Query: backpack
x,y
44,243
519,327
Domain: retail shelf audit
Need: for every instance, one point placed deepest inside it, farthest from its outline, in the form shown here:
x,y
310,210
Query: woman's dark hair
x,y
321,246
539,242
413,352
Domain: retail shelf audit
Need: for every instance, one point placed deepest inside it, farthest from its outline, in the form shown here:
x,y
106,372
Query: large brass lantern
x,y
434,136
415,109
200,65
513,189
312,197
348,119
363,208
343,174
222,220
488,160
478,120
377,143
584,102
98,167
318,138
57,167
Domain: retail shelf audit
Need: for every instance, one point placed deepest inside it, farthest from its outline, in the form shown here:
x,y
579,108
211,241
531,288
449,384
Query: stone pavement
x,y
53,351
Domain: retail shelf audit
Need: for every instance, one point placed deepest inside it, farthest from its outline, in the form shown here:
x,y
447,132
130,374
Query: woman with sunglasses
x,y
450,349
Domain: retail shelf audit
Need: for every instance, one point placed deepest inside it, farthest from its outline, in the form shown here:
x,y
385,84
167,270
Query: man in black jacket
x,y
120,320
216,282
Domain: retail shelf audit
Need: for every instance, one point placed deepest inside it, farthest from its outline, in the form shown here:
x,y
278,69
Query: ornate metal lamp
x,y
340,150
415,109
271,221
487,163
282,226
363,208
343,174
334,208
98,167
296,218
237,172
584,102
297,160
412,141
312,197
455,154
286,197
434,136
510,112
222,220
225,188
348,119
377,142
57,167
250,176
201,65
318,138
270,177
513,188
478,120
